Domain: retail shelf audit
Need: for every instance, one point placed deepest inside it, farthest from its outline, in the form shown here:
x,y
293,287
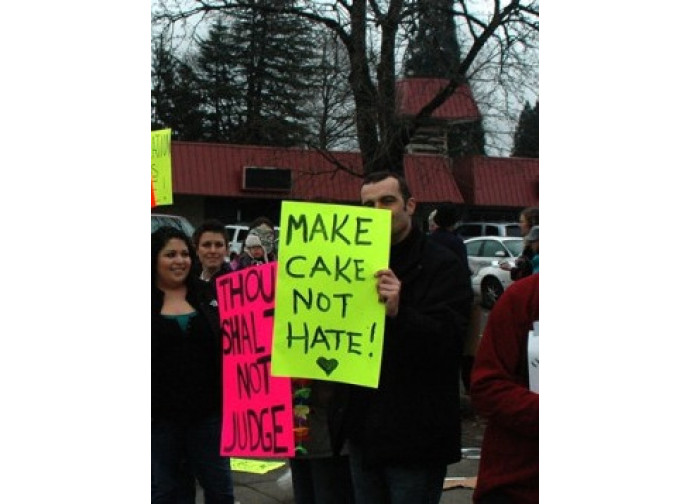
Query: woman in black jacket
x,y
185,376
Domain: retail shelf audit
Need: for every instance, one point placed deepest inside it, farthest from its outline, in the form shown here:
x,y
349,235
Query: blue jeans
x,y
395,484
197,442
323,480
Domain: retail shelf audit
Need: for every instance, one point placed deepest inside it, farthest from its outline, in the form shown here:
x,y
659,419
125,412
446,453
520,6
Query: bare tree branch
x,y
371,32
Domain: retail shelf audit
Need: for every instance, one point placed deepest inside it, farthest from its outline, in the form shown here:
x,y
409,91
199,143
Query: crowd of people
x,y
390,444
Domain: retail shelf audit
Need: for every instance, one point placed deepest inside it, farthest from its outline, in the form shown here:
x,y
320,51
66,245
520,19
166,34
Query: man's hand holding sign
x,y
389,291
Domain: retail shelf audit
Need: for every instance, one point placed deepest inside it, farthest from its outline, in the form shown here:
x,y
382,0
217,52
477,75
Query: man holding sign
x,y
403,434
328,328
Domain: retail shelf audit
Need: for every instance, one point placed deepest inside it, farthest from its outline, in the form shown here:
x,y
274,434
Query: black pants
x,y
324,480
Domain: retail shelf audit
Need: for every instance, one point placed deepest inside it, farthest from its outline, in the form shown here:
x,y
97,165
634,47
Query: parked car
x,y
485,256
473,229
159,220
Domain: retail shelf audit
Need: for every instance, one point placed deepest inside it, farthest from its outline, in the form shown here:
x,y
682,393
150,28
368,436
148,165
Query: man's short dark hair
x,y
378,176
445,216
210,226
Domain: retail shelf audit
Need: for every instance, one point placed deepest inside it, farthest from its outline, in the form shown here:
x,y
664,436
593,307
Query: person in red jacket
x,y
500,391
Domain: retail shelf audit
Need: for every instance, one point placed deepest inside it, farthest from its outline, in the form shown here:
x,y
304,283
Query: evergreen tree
x,y
275,57
175,100
189,116
434,51
163,68
218,78
526,138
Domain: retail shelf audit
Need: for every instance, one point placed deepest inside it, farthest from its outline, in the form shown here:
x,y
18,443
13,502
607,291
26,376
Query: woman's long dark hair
x,y
159,239
531,215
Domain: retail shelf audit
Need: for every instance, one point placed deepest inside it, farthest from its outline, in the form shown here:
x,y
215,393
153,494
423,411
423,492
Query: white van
x,y
473,229
237,233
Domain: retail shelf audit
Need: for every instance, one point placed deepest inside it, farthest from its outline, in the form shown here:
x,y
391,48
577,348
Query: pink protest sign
x,y
257,407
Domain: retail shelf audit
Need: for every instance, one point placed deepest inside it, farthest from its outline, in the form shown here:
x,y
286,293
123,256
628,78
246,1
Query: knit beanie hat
x,y
267,237
254,241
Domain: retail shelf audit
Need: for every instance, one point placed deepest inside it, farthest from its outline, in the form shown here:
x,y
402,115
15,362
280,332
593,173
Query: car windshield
x,y
514,246
513,230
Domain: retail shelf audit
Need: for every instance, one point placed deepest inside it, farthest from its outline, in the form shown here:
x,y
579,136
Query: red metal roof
x,y
210,169
430,178
413,93
492,181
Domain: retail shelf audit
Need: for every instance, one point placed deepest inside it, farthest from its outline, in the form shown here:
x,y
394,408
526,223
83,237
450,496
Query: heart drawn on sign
x,y
328,365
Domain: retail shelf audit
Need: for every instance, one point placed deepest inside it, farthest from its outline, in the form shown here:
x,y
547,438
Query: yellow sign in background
x,y
328,320
161,166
